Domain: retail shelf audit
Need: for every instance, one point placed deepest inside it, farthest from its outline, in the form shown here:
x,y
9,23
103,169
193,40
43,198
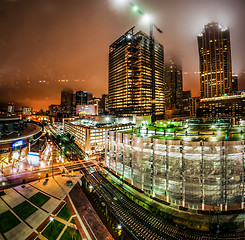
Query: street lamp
x,y
135,8
146,18
39,176
3,184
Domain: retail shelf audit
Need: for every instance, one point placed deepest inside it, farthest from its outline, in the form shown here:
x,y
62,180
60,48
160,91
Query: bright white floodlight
x,y
146,19
129,36
121,2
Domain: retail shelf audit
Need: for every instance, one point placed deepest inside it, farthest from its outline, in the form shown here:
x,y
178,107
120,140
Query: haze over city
x,y
48,45
122,119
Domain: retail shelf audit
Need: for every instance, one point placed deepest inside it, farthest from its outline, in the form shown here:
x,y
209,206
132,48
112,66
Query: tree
x,y
73,232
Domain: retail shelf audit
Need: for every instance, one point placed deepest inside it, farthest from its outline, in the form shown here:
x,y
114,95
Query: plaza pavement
x,y
56,188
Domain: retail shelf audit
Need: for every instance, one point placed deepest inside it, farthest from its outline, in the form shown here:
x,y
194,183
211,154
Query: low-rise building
x,y
26,111
90,135
225,106
91,109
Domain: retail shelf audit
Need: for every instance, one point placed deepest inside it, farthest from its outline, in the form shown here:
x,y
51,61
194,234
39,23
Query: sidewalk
x,y
32,226
88,215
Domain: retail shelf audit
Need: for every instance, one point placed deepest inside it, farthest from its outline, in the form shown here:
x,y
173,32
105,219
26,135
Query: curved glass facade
x,y
204,175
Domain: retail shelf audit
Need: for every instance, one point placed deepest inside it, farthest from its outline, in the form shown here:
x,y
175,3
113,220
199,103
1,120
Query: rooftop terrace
x,y
191,132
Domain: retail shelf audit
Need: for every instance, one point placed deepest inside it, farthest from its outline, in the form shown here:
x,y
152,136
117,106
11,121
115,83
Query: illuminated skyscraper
x,y
81,98
215,61
173,85
132,89
234,83
66,100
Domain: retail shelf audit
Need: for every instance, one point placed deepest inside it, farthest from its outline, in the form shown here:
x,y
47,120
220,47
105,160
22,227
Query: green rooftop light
x,y
135,8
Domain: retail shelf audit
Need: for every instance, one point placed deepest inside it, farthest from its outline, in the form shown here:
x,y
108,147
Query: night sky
x,y
47,45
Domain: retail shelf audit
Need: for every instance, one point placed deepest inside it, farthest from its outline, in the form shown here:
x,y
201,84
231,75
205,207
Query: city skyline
x,y
44,45
122,119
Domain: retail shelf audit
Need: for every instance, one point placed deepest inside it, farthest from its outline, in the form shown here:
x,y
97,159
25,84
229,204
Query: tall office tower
x,y
89,96
215,61
234,83
67,100
173,85
186,101
136,78
81,98
103,108
11,108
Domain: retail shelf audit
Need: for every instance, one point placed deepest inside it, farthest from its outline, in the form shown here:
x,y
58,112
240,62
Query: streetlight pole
x,y
3,184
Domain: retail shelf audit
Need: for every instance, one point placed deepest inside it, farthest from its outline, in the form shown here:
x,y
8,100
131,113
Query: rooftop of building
x,y
9,117
213,25
191,132
239,95
128,36
30,130
90,123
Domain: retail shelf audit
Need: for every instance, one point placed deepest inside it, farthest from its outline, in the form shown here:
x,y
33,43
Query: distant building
x,y
225,106
215,61
55,110
186,102
89,96
173,85
91,109
26,111
131,71
67,100
90,136
103,104
11,108
234,83
81,98
94,101
194,106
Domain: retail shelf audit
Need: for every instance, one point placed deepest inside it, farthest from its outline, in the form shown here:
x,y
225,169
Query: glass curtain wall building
x,y
131,88
197,171
215,61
